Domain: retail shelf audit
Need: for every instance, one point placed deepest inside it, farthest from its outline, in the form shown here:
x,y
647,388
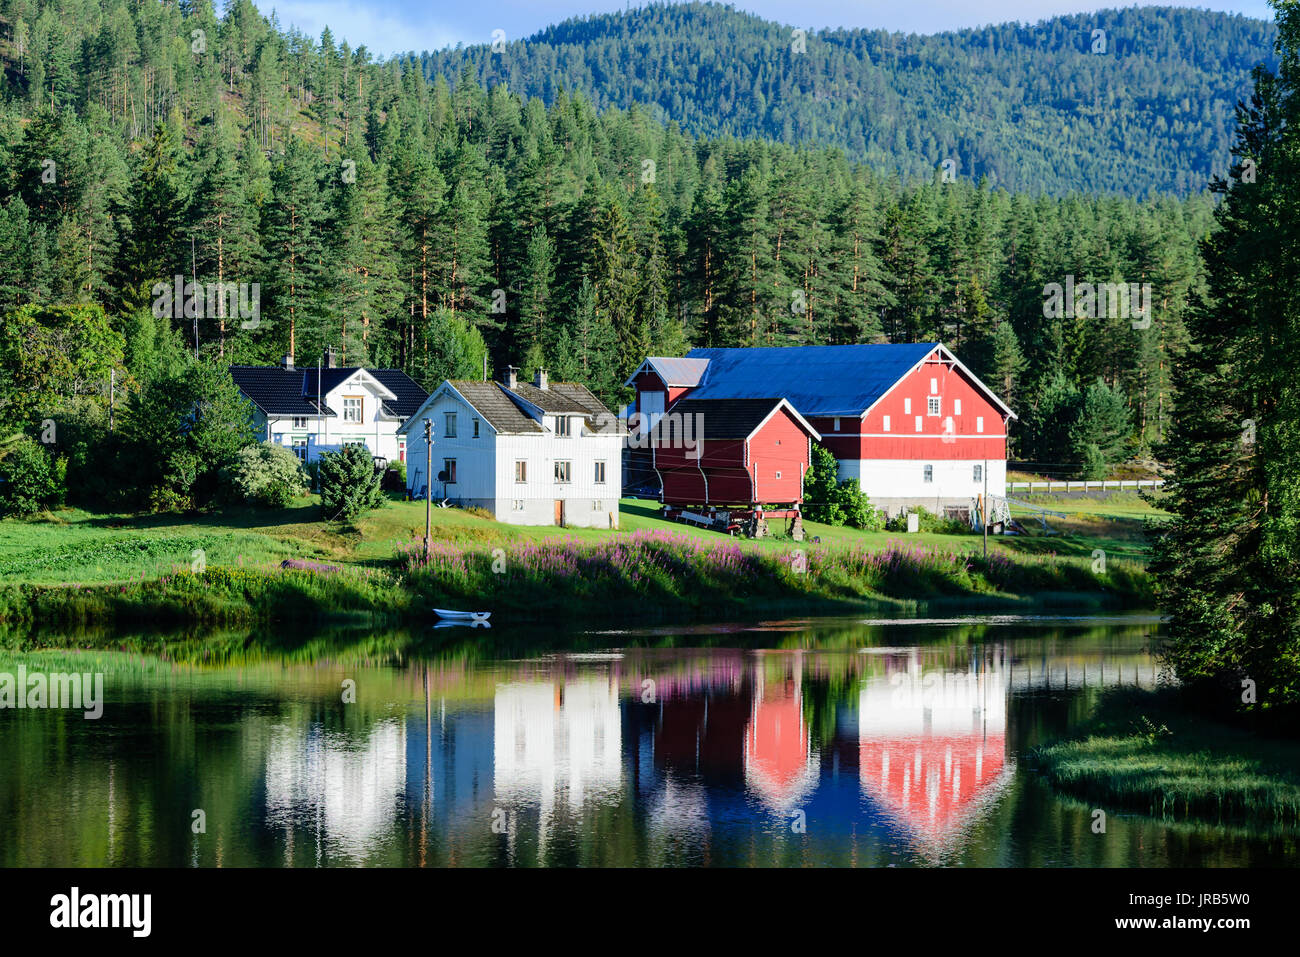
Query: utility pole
x,y
986,508
428,487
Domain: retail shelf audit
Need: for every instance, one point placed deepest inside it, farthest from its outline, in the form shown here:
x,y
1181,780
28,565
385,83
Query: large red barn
x,y
909,422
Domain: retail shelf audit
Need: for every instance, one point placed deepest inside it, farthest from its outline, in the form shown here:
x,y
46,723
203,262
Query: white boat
x,y
448,615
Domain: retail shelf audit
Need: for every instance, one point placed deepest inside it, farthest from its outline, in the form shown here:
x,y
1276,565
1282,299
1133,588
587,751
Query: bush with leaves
x,y
31,479
832,502
267,475
349,485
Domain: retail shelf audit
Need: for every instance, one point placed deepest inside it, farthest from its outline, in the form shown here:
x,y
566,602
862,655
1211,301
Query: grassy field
x,y
1145,751
72,546
75,567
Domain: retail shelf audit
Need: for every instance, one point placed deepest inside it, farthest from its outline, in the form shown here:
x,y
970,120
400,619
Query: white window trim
x,y
919,427
933,405
886,424
979,423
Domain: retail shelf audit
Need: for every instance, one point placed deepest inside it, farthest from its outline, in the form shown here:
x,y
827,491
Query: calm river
x,y
825,742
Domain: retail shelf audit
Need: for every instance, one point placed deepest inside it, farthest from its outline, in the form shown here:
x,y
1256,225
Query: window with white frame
x,y
918,423
778,474
956,406
979,423
979,473
353,408
933,405
600,473
300,421
517,505
596,505
563,472
521,471
562,425
300,449
449,466
929,473
885,424
907,407
449,425
934,385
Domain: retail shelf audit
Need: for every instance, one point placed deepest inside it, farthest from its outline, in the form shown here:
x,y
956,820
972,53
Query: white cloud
x,y
384,29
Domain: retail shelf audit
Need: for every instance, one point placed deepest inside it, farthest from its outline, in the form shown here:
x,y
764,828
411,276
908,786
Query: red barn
x,y
909,422
736,455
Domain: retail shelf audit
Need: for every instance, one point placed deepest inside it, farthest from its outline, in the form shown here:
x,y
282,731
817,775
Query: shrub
x,y
349,486
31,479
929,522
266,475
832,502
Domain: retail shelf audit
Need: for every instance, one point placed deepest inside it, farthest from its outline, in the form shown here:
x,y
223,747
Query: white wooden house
x,y
541,454
324,408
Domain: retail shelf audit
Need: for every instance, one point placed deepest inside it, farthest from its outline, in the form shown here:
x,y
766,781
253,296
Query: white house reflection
x,y
344,786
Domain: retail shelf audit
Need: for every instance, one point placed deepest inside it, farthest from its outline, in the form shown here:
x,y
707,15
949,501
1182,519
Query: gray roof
x,y
581,395
676,371
491,401
727,418
549,400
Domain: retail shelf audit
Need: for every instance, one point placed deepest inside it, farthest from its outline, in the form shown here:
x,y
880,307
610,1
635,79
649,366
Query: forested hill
x,y
1032,107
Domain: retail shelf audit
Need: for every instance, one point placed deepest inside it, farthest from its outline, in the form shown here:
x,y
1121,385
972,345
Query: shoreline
x,y
640,578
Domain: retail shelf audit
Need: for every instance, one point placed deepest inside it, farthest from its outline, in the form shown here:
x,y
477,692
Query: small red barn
x,y
733,454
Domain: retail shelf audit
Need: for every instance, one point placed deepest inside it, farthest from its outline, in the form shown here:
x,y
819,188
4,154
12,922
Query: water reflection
x,y
820,743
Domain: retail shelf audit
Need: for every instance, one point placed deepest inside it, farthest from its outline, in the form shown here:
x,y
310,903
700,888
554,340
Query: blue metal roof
x,y
818,380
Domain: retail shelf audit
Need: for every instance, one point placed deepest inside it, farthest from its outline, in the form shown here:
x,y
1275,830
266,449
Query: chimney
x,y
287,362
512,377
539,379
330,361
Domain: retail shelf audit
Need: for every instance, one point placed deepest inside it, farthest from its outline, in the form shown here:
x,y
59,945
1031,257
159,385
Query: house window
x,y
932,405
886,424
934,385
918,423
563,472
300,421
562,425
352,408
837,424
596,505
600,473
476,428
521,471
929,473
907,407
979,423
449,432
300,449
517,505
956,406
979,473
778,474
449,466
401,450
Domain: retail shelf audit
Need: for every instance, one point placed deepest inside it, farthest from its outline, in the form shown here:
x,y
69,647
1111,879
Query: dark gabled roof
x,y
279,391
726,418
491,401
276,391
409,394
818,380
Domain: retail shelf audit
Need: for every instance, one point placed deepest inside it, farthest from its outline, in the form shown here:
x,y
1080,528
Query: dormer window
x,y
562,425
352,408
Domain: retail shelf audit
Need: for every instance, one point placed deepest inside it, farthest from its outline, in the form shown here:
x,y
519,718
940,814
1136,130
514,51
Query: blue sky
x,y
392,26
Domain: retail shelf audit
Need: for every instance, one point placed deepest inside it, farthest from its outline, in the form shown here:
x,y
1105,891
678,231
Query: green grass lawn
x,y
77,546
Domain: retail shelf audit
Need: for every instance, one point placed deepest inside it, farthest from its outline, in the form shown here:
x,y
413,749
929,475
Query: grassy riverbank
x,y
1146,751
75,567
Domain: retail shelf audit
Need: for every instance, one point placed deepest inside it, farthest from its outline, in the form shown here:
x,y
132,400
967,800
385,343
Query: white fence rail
x,y
1086,486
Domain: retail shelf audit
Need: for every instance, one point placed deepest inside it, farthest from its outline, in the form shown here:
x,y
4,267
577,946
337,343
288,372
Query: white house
x,y
541,454
324,408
